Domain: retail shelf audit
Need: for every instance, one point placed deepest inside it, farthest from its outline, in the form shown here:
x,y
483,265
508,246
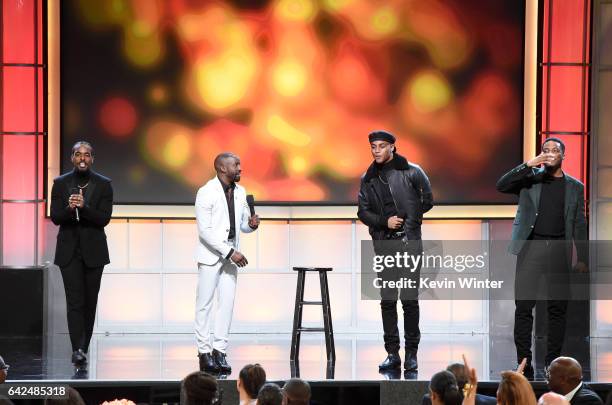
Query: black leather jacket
x,y
411,193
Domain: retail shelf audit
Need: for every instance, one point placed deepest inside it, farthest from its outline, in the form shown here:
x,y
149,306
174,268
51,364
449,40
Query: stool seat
x,y
327,328
312,268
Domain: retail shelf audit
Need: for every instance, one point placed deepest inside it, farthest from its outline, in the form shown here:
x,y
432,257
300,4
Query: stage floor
x,y
169,357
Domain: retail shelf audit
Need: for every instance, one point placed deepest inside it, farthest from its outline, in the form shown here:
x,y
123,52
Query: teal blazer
x,y
526,182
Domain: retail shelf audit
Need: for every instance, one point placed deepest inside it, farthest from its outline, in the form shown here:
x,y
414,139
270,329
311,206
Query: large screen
x,y
293,87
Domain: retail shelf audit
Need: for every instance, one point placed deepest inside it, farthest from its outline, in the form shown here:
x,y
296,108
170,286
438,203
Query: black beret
x,y
381,136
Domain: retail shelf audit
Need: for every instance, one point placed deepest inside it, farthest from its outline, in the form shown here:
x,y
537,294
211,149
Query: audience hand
x,y
581,267
521,368
469,390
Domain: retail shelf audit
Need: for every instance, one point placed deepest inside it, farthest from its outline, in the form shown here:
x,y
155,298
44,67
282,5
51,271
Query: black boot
x,y
208,363
392,361
221,361
410,362
79,358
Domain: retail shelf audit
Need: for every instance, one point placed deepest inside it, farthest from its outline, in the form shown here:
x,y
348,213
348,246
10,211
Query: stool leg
x,y
297,316
327,318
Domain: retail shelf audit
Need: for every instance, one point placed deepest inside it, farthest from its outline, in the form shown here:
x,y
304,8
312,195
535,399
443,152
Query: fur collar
x,y
398,163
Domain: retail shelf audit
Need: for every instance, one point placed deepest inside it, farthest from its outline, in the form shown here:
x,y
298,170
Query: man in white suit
x,y
221,213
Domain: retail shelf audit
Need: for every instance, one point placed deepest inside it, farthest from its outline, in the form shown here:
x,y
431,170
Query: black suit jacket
x,y
586,396
88,233
480,400
527,183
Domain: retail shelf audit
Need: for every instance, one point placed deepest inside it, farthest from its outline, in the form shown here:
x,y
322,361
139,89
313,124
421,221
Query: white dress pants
x,y
220,277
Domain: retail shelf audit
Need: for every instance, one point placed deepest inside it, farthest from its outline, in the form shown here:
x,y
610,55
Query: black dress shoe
x,y
80,373
208,363
221,362
79,357
410,363
392,361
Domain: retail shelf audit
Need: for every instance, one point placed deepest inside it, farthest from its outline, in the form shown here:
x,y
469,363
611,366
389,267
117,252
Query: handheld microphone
x,y
75,190
251,202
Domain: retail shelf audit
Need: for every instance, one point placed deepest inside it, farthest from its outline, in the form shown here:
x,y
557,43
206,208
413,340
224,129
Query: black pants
x,y
410,304
81,284
542,268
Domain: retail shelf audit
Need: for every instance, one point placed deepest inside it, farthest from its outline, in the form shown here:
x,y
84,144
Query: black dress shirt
x,y
228,189
551,215
389,208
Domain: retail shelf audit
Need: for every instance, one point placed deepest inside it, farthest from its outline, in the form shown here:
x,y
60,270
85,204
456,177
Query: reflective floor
x,y
172,356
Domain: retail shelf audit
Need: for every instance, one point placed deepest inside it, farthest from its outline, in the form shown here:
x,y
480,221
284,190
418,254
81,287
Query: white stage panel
x,y
273,246
145,246
129,301
179,243
179,295
321,244
117,239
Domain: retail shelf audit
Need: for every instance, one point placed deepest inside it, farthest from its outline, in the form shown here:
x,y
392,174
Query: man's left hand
x,y
254,221
581,267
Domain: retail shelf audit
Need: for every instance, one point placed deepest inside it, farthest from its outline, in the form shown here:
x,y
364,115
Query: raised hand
x,y
542,158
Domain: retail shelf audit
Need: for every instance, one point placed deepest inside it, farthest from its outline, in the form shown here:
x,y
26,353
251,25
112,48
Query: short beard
x,y
552,169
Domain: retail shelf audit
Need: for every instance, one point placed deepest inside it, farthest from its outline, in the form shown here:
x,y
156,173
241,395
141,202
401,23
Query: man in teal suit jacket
x,y
550,218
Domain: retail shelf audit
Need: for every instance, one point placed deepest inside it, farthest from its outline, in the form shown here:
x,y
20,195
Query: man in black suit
x,y
81,204
550,217
564,376
460,374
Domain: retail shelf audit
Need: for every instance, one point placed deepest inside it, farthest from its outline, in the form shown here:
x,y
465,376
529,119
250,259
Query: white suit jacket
x,y
212,217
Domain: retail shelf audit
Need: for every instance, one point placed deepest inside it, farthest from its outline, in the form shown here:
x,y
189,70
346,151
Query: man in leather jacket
x,y
393,197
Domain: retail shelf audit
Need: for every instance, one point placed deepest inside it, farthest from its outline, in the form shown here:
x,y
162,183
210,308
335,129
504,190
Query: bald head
x,y
227,166
222,159
569,367
565,373
550,398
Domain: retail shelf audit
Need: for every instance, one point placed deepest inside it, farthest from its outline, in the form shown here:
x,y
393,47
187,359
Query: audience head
x,y
297,392
3,370
200,388
514,389
74,398
458,371
443,389
550,398
270,394
563,375
250,380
